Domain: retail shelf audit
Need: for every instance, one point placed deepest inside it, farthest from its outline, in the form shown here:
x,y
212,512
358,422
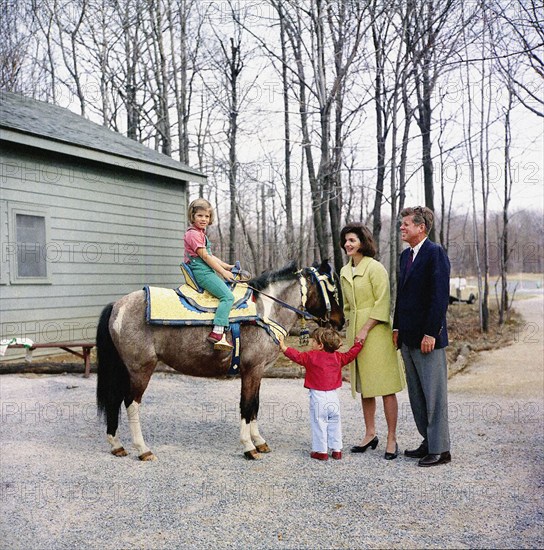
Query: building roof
x,y
46,126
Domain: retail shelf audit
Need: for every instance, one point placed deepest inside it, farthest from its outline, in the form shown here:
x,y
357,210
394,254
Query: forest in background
x,y
306,114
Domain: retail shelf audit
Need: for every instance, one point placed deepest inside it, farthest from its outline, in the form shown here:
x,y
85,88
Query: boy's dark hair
x,y
328,337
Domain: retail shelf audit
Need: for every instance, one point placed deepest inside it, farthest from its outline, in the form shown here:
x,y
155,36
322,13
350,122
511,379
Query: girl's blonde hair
x,y
200,204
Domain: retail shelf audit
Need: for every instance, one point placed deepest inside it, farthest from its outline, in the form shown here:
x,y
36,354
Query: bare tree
x,y
44,18
158,73
314,31
14,43
432,38
292,24
524,38
346,29
507,197
131,25
467,107
380,38
233,67
484,108
203,133
61,24
228,60
185,28
285,79
169,75
100,35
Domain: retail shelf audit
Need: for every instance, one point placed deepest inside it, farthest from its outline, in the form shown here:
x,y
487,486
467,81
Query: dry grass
x,y
464,329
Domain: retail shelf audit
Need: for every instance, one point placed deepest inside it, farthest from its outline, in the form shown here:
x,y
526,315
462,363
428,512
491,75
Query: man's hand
x,y
283,347
427,344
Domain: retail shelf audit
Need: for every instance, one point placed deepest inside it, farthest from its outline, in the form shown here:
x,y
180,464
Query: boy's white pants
x,y
325,421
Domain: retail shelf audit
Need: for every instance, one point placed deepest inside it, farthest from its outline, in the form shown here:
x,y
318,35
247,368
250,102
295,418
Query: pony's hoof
x,y
252,455
120,451
264,448
147,457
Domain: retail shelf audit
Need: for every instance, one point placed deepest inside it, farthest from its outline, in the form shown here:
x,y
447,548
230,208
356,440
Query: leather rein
x,y
325,285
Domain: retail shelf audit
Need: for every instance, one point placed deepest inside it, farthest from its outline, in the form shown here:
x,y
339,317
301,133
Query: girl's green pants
x,y
208,279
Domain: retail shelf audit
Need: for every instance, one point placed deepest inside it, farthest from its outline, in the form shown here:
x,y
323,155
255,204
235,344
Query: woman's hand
x,y
283,347
362,335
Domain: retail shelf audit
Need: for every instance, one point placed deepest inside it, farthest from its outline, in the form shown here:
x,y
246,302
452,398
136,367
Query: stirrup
x,y
223,344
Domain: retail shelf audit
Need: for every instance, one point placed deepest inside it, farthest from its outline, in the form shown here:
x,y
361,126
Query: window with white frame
x,y
27,249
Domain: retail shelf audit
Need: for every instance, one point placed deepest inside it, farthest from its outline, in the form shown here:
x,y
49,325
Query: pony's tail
x,y
113,384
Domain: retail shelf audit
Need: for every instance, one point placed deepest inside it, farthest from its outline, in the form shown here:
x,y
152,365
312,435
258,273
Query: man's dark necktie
x,y
410,261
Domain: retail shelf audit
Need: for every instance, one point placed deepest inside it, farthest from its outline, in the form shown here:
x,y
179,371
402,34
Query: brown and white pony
x,y
128,350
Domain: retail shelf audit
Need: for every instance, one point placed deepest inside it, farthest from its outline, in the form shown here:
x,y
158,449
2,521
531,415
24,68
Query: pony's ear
x,y
324,267
292,265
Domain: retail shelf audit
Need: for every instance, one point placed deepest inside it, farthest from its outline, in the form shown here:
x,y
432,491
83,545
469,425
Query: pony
x,y
129,349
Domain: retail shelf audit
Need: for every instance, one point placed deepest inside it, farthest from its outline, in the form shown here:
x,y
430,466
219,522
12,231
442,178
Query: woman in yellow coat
x,y
378,370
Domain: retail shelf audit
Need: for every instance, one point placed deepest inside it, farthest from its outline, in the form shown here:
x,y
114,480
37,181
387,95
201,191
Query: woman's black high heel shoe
x,y
362,448
391,456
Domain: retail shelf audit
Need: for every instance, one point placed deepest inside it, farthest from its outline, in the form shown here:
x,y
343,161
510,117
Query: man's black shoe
x,y
420,452
435,460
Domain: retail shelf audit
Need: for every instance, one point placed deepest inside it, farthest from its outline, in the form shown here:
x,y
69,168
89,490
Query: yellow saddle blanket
x,y
187,306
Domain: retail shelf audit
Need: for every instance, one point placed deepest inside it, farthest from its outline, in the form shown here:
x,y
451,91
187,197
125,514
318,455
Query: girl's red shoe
x,y
214,337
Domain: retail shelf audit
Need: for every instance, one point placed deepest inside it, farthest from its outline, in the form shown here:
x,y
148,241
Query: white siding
x,y
110,232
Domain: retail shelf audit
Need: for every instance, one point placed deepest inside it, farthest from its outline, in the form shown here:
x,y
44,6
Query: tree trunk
x,y
132,54
504,306
307,145
381,137
233,58
178,48
264,264
287,140
485,120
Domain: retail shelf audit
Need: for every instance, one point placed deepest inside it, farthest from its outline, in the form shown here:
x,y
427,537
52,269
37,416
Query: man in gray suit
x,y
420,331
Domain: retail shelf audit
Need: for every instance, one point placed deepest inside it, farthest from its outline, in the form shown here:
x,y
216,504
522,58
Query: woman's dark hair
x,y
368,248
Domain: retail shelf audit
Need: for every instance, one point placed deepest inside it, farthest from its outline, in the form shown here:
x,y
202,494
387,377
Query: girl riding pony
x,y
208,269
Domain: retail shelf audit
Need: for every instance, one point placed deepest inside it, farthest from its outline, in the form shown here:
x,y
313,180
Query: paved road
x,y
514,371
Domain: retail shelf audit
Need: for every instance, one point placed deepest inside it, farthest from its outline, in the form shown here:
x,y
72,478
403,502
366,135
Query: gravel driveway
x,y
61,488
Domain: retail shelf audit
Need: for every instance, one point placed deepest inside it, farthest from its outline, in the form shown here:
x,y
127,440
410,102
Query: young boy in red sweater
x,y
323,377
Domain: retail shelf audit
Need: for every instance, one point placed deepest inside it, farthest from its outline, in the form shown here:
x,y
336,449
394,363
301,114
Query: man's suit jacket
x,y
423,296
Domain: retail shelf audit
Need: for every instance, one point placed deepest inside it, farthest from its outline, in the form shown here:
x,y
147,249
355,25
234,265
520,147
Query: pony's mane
x,y
286,273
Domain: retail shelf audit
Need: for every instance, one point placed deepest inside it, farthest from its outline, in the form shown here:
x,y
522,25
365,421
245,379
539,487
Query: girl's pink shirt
x,y
194,238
